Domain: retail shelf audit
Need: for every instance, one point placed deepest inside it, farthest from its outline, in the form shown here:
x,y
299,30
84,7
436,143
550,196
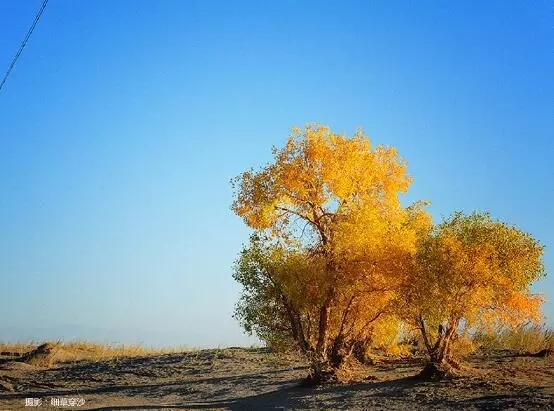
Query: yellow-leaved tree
x,y
332,244
470,272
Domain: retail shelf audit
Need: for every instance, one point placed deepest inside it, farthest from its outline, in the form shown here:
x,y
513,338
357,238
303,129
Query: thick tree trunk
x,y
439,367
321,346
360,351
440,363
340,352
321,372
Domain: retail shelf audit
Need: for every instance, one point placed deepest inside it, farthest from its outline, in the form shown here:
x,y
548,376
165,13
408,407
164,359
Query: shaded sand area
x,y
256,379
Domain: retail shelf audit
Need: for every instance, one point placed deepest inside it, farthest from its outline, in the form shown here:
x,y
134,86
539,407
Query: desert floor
x,y
255,379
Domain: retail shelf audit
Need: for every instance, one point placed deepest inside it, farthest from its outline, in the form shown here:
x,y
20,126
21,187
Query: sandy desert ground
x,y
256,379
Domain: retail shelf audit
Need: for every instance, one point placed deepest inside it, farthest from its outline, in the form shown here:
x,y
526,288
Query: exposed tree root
x,y
320,378
547,352
436,372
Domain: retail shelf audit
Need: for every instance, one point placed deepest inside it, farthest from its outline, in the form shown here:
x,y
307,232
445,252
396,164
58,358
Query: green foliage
x,y
260,310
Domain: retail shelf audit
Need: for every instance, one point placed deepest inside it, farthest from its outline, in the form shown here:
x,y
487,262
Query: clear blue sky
x,y
123,122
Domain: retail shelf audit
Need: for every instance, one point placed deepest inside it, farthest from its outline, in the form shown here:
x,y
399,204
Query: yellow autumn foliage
x,y
337,264
471,272
338,237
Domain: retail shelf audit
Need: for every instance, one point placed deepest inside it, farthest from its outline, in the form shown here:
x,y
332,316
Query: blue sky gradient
x,y
123,122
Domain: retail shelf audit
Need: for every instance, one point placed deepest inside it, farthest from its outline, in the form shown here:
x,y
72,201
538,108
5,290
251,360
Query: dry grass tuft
x,y
16,349
526,339
86,351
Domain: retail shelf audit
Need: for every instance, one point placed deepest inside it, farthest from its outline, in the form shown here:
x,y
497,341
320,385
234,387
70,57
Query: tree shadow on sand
x,y
291,396
156,390
261,389
514,401
393,394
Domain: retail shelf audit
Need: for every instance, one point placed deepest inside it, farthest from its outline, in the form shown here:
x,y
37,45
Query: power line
x,y
24,43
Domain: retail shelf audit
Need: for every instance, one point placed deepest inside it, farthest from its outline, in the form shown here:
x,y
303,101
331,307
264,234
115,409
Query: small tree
x,y
470,271
333,243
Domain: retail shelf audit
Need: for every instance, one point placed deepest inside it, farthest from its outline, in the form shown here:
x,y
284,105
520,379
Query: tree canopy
x,y
336,261
471,272
335,239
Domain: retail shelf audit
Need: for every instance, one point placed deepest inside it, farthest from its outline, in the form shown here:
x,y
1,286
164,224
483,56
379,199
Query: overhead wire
x,y
24,43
